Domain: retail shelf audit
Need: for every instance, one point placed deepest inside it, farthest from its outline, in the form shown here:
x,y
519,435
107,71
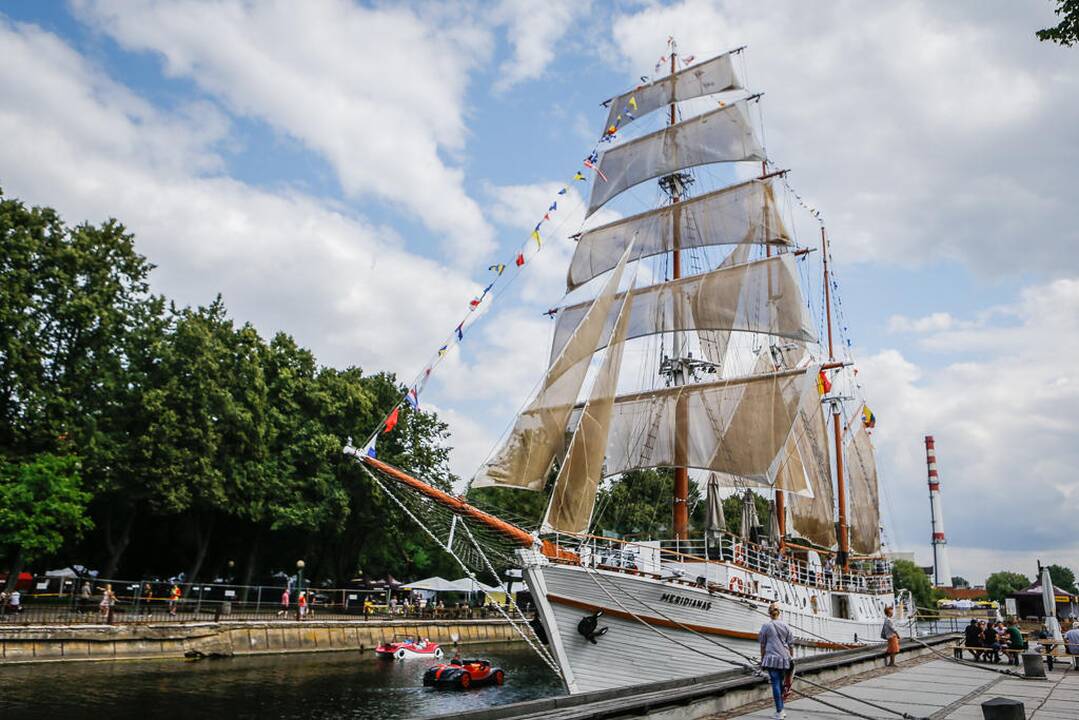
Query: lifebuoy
x,y
739,554
736,585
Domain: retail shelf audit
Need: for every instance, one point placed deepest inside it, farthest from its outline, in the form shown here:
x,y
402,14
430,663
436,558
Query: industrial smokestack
x,y
942,571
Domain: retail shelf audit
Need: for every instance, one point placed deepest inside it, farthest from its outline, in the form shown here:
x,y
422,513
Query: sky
x,y
346,172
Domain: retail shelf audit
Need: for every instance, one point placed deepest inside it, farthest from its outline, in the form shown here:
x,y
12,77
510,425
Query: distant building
x,y
1028,602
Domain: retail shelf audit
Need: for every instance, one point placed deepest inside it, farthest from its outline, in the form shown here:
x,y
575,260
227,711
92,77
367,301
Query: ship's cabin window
x,y
841,606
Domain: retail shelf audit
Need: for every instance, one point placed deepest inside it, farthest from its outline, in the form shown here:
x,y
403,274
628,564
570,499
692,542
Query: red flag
x,y
391,421
520,259
824,385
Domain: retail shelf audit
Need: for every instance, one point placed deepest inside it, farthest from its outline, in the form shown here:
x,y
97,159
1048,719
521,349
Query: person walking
x,y
284,603
174,599
888,633
301,606
86,600
108,599
777,643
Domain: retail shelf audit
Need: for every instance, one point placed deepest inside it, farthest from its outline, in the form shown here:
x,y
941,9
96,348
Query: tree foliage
x,y
1063,578
1001,584
189,440
42,503
1066,32
908,576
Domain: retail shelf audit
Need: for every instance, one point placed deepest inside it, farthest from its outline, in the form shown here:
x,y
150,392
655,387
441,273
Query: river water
x,y
309,686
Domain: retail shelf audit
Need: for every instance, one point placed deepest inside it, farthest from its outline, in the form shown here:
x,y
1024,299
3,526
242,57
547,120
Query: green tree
x,y
1001,584
42,505
1066,32
1062,577
908,576
76,319
960,582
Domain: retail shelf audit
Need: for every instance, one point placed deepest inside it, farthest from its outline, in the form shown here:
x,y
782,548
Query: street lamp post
x,y
299,586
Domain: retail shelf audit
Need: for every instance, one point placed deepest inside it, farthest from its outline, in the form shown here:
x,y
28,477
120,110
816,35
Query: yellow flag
x,y
536,237
633,102
578,176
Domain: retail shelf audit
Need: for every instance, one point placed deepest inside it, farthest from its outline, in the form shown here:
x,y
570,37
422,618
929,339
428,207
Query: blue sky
x,y
346,172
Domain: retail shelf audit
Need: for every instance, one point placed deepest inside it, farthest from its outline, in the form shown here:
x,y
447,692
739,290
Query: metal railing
x,y
62,601
868,576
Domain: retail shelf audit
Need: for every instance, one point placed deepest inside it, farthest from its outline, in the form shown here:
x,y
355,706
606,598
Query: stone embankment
x,y
51,643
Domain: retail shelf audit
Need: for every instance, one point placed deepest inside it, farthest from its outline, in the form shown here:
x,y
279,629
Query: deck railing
x,y
865,575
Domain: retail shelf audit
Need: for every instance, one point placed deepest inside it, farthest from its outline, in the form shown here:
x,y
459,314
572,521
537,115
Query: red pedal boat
x,y
463,674
407,649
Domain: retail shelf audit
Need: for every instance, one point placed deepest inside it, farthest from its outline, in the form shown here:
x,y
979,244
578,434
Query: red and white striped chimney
x,y
942,570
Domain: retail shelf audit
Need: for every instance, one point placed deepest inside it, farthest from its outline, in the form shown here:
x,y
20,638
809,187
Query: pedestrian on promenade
x,y
15,602
86,599
777,643
888,633
368,607
108,599
174,599
284,603
301,606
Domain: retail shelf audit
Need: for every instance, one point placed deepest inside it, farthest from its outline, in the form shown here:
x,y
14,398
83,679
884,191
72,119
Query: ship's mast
x,y
674,185
841,487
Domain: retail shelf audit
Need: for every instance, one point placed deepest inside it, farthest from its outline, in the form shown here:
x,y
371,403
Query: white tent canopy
x,y
438,584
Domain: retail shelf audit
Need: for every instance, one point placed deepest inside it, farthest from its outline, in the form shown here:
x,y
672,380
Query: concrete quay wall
x,y
55,643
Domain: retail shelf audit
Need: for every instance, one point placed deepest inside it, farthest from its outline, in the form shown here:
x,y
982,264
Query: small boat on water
x,y
407,649
463,674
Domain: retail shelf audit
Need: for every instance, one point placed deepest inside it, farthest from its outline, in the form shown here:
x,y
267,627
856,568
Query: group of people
x,y
987,641
305,601
10,604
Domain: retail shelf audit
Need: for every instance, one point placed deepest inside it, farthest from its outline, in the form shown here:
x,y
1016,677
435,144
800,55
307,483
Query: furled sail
x,y
539,432
574,494
807,457
733,215
736,427
720,135
728,298
707,78
864,497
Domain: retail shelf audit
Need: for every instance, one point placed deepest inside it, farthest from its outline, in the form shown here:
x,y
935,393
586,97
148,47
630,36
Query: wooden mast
x,y
841,486
681,441
780,504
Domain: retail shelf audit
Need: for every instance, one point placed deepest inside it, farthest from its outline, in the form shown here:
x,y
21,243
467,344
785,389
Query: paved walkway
x,y
942,690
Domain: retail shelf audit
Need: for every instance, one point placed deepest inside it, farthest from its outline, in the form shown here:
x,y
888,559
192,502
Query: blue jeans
x,y
776,675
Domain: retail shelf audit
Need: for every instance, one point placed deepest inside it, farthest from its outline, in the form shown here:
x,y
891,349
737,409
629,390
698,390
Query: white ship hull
x,y
647,617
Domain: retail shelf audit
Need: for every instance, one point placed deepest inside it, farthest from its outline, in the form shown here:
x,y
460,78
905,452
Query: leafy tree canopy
x,y
1001,584
1062,577
908,576
1066,32
42,504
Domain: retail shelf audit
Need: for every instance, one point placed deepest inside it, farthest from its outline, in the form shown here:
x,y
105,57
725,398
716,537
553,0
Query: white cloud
x,y
930,323
286,261
1004,409
924,131
379,92
533,29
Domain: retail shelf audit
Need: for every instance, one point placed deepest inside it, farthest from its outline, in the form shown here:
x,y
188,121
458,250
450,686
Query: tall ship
x,y
700,340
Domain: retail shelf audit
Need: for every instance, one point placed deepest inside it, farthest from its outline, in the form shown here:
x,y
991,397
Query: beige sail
x,y
861,472
759,296
539,432
808,458
736,427
707,78
721,135
574,494
714,343
742,213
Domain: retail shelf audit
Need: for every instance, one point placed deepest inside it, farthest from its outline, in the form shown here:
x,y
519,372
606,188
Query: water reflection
x,y
316,686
